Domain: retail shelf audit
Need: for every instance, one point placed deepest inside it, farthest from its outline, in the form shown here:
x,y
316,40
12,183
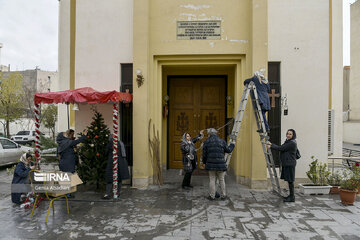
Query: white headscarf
x,y
24,157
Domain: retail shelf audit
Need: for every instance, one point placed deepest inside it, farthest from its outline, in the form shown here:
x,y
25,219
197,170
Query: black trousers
x,y
187,179
291,189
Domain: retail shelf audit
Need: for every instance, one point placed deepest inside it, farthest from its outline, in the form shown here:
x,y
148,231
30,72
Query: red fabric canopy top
x,y
82,95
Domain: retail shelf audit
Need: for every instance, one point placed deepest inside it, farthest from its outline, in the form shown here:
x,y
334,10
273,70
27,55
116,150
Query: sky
x,y
29,34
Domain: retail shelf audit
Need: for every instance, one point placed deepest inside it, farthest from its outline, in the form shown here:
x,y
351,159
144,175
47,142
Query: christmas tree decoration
x,y
92,152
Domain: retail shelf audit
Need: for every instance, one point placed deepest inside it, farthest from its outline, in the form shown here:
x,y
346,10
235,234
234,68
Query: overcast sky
x,y
29,34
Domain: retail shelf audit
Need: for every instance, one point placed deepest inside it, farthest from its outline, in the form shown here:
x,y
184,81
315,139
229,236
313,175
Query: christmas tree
x,y
92,152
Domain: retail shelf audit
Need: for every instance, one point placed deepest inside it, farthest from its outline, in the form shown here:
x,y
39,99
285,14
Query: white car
x,y
24,137
10,152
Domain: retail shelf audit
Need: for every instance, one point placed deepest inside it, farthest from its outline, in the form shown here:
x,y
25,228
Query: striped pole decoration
x,y
115,149
37,133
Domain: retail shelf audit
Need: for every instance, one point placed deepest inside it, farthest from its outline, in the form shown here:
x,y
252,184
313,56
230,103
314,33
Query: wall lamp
x,y
139,78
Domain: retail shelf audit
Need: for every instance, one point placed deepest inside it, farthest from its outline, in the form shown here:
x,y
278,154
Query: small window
x,y
6,144
23,133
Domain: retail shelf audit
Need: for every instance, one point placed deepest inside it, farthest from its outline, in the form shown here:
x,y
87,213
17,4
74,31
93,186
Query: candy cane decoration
x,y
37,133
115,149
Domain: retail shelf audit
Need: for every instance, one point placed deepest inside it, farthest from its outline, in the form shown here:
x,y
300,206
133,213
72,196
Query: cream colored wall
x,y
351,130
103,41
64,56
299,39
85,114
156,46
141,163
337,74
355,61
234,16
352,127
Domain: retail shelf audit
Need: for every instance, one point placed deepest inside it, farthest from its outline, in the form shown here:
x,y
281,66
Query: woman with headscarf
x,y
21,174
262,88
288,161
123,170
65,149
189,157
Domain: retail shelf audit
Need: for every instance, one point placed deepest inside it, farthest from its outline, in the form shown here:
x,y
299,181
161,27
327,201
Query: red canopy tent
x,y
82,95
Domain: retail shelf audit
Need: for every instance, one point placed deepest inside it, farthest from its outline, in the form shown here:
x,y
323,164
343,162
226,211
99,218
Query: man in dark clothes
x,y
21,175
66,150
262,88
123,170
214,150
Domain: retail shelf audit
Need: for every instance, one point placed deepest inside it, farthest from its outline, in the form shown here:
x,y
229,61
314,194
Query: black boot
x,y
291,197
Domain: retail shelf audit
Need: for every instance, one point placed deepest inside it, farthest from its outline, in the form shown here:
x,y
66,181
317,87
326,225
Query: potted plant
x,y
334,179
349,186
318,174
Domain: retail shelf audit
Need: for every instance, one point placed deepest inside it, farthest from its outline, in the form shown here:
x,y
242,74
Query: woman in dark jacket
x,y
123,170
288,161
65,149
21,174
189,157
262,88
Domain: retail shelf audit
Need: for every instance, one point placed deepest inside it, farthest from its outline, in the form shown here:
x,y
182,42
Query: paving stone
x,y
169,212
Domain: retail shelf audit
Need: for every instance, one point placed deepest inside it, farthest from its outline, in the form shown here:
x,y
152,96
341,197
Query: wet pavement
x,y
169,212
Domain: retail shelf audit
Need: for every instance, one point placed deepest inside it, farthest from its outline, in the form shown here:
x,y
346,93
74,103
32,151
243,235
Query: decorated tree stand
x,y
83,95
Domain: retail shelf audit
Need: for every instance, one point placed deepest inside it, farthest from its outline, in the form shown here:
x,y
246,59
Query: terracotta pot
x,y
347,197
358,191
335,190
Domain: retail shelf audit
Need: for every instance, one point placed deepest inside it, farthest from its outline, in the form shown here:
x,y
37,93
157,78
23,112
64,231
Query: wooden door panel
x,y
183,95
182,122
195,104
212,118
210,95
176,155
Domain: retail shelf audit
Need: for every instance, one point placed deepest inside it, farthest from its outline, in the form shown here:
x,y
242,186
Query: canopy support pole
x,y
37,133
115,149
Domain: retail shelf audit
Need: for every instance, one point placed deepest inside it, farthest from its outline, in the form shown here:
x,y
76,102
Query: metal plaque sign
x,y
198,30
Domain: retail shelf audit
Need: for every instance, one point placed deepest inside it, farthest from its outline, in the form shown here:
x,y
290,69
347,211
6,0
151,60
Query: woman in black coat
x,y
123,170
189,157
21,175
66,151
288,161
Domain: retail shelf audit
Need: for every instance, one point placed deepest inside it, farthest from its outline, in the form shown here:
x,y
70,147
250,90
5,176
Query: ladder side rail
x,y
268,154
258,109
240,115
238,121
272,173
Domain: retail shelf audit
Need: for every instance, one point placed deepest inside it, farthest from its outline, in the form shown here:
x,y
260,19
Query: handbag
x,y
188,166
297,155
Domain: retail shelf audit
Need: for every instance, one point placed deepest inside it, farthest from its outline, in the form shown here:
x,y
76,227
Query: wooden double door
x,y
195,103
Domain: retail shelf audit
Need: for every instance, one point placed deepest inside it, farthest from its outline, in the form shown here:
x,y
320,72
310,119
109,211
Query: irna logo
x,y
48,177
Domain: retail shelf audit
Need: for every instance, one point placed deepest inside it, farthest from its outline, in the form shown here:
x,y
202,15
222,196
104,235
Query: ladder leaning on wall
x,y
250,88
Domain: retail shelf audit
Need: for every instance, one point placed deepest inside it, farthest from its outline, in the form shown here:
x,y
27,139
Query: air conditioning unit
x,y
330,131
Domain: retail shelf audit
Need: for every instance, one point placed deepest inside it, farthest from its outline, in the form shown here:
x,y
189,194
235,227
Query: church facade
x,y
185,62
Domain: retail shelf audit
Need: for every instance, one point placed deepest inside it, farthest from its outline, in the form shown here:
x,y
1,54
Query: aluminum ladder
x,y
250,89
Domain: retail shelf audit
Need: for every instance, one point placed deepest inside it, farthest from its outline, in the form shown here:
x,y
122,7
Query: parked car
x,y
24,137
10,151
